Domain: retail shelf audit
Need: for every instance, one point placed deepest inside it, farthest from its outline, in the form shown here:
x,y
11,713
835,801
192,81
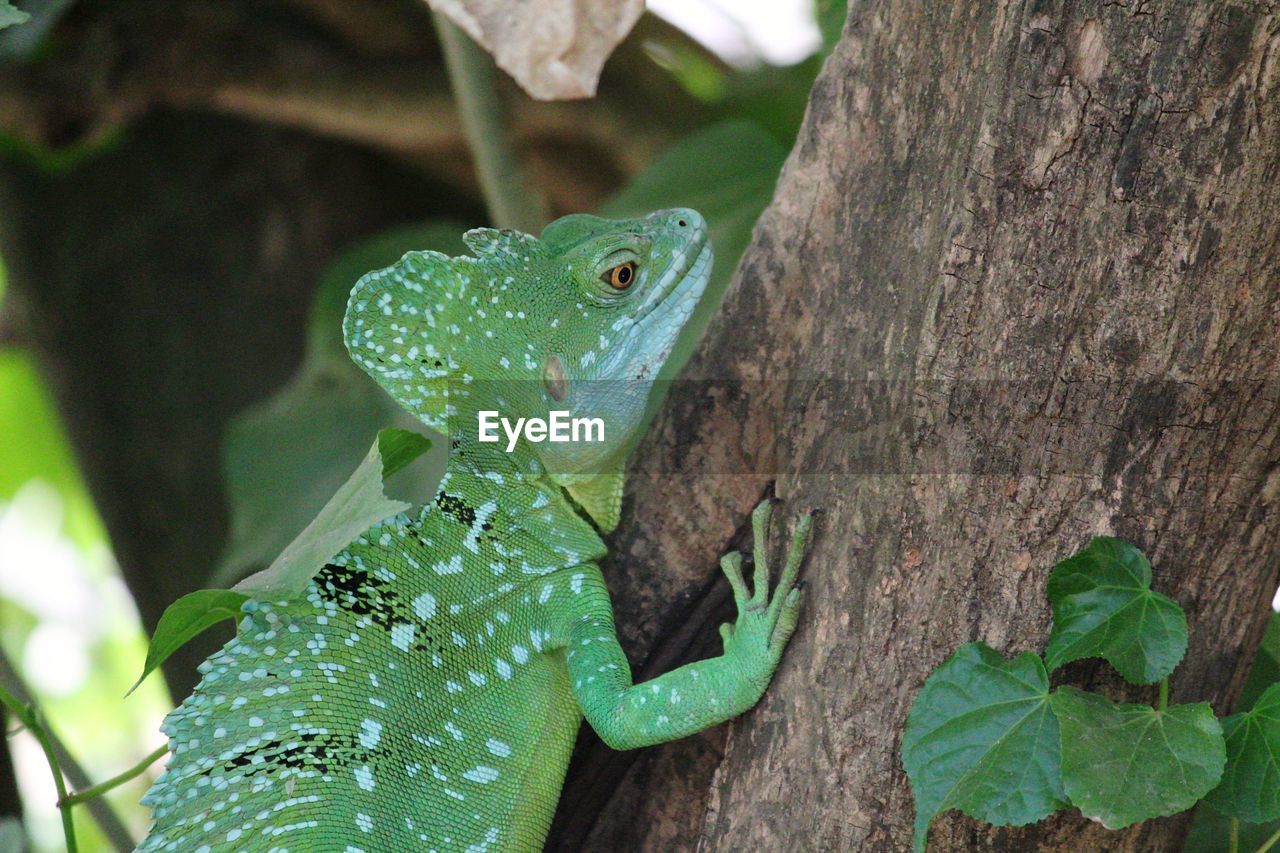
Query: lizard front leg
x,y
697,695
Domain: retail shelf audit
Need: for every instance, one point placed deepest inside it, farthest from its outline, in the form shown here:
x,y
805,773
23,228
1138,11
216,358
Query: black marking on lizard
x,y
315,752
359,592
363,594
456,508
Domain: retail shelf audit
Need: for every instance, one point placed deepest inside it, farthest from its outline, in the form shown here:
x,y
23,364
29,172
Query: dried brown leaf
x,y
553,48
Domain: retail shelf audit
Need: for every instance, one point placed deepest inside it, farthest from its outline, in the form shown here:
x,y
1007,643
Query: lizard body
x,y
425,691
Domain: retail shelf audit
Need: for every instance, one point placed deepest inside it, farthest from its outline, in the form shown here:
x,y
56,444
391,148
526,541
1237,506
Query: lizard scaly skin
x,y
425,691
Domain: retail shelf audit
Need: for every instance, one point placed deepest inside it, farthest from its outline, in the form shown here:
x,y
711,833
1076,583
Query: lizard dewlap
x,y
425,690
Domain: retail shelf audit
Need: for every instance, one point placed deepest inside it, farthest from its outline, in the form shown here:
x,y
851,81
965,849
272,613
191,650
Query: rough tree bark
x,y
1018,286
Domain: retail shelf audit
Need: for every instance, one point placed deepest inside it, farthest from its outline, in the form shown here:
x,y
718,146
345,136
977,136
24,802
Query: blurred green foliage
x,y
103,732
27,410
1266,666
10,14
831,15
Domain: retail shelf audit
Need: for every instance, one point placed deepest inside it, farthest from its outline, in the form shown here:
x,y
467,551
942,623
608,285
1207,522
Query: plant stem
x,y
100,809
1266,845
510,201
30,717
117,780
1162,701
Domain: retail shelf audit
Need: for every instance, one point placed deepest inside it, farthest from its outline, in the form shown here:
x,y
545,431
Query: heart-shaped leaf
x,y
1103,606
1210,831
1125,763
1250,788
980,738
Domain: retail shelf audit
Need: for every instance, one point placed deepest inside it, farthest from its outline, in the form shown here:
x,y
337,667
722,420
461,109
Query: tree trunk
x,y
1018,286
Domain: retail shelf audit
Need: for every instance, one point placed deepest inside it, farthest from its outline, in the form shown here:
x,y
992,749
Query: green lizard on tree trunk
x,y
425,691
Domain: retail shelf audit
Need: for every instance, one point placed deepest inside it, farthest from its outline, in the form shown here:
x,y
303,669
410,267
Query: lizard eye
x,y
621,276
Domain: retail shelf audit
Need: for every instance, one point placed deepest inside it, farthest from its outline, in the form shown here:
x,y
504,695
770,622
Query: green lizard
x,y
425,691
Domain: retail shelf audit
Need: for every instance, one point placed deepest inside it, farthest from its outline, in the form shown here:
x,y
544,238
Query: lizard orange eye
x,y
621,276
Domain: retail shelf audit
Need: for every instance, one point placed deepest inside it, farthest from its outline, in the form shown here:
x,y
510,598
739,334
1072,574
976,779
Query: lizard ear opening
x,y
394,330
600,495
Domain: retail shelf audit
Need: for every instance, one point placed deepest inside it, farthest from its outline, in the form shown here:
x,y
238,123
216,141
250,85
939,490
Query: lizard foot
x,y
765,622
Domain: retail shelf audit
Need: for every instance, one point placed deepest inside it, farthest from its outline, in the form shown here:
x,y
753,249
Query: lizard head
x,y
578,321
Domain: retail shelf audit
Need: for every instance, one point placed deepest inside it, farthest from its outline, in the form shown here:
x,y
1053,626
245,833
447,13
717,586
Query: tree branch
x,y
63,763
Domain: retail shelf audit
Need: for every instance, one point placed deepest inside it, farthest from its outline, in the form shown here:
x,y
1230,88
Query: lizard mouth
x,y
687,272
650,332
665,313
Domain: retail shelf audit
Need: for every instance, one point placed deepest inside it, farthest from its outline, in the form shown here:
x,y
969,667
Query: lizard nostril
x,y
682,223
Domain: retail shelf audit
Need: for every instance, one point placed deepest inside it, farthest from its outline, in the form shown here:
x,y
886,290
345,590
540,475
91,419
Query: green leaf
x,y
186,618
772,97
980,738
1250,788
1103,606
285,457
10,15
1265,670
399,447
1125,763
831,15
699,74
1210,833
356,506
